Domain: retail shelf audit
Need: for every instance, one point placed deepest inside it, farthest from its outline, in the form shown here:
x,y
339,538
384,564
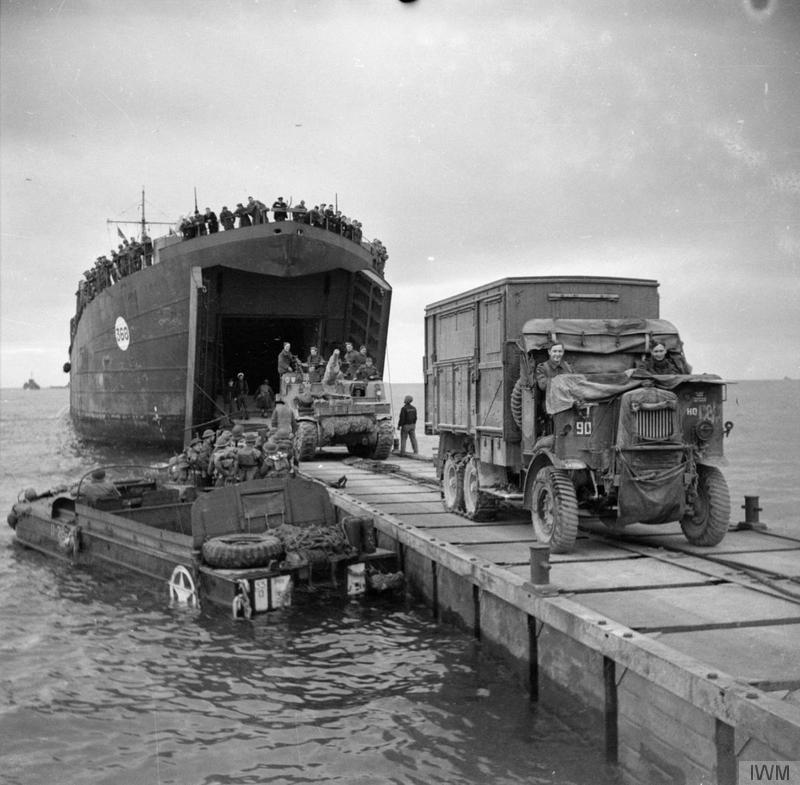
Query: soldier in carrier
x,y
284,427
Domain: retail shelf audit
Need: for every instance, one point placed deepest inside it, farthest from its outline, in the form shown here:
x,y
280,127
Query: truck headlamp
x,y
704,430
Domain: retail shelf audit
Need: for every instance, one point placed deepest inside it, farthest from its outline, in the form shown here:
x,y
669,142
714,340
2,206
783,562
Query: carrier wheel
x,y
242,550
453,485
477,505
554,509
385,439
306,440
708,523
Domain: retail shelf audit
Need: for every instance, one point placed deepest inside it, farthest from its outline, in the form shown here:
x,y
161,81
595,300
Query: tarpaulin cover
x,y
653,495
565,390
600,336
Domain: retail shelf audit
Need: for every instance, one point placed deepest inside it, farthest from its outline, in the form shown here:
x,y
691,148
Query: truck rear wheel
x,y
554,509
305,441
708,523
453,485
477,504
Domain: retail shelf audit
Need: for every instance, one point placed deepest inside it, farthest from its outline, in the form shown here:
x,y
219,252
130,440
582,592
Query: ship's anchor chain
x,y
241,602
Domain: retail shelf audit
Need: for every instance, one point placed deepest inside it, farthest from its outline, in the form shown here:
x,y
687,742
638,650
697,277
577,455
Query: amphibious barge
x,y
151,352
242,546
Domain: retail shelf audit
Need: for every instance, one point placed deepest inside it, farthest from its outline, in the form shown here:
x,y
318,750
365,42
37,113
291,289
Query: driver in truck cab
x,y
659,362
554,365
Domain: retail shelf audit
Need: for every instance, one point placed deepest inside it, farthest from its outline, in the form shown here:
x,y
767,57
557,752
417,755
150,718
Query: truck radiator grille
x,y
654,425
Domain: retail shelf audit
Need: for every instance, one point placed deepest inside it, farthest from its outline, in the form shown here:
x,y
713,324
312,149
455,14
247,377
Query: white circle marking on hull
x,y
122,334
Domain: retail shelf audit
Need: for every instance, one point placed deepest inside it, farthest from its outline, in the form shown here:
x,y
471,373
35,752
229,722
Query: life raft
x,y
233,551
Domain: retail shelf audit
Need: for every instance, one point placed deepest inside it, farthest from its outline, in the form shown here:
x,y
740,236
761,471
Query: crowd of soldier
x,y
229,456
226,457
129,257
324,216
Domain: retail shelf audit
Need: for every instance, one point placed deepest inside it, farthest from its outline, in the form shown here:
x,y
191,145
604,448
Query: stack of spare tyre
x,y
237,551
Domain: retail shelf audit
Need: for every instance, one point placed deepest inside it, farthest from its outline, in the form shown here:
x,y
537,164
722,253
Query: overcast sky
x,y
477,139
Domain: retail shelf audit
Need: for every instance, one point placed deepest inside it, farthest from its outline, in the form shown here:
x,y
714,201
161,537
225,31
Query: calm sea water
x,y
102,682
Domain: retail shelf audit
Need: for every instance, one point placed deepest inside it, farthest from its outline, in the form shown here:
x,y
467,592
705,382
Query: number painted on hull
x,y
122,334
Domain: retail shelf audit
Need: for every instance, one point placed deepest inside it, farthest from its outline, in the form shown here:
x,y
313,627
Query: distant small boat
x,y
31,384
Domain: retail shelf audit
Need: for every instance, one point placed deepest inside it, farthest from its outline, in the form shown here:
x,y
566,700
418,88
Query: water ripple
x,y
103,682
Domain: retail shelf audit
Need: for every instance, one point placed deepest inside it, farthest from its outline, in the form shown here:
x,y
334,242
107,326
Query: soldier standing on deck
x,y
256,210
242,214
147,250
227,219
241,393
279,208
407,423
135,255
199,222
210,219
265,398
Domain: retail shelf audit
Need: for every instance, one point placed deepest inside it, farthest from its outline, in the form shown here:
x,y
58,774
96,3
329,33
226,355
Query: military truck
x,y
609,441
354,413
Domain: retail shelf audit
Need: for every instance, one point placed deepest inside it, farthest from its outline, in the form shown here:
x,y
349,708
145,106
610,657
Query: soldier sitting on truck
x,y
661,363
553,366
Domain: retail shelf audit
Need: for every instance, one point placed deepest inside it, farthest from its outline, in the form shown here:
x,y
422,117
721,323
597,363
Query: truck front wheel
x,y
554,509
707,524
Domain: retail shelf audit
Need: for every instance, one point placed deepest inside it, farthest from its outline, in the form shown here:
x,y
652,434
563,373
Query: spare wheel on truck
x,y
233,551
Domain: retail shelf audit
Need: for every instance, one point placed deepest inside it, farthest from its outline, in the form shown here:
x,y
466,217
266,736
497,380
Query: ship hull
x,y
151,355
